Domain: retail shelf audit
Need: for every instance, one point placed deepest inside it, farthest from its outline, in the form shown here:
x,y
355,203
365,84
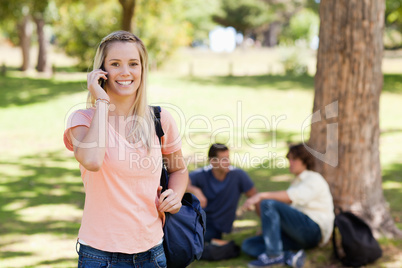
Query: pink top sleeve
x,y
77,118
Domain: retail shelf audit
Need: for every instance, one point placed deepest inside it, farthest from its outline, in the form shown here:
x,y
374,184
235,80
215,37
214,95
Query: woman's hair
x,y
215,148
299,151
142,128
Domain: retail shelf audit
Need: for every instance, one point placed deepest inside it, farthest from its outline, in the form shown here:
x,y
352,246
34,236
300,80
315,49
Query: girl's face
x,y
296,166
123,65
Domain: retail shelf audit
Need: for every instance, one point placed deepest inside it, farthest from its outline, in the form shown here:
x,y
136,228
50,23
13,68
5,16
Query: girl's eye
x,y
133,64
115,64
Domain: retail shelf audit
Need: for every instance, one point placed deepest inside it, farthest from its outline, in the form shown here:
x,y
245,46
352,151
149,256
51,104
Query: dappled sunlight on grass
x,y
394,257
245,223
282,178
50,212
16,205
40,210
392,185
23,91
388,185
389,153
38,250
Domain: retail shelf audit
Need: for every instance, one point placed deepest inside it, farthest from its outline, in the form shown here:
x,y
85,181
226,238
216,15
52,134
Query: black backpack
x,y
358,243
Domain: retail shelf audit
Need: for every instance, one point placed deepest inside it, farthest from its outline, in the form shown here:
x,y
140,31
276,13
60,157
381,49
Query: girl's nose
x,y
125,70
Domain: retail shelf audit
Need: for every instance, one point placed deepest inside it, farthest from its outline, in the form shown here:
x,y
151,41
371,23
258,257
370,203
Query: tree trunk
x,y
25,33
348,83
128,7
42,54
271,34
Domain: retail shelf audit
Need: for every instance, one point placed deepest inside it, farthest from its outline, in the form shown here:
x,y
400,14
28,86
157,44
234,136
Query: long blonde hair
x,y
142,128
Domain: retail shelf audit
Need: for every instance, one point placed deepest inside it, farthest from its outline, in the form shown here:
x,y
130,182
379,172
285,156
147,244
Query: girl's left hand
x,y
168,201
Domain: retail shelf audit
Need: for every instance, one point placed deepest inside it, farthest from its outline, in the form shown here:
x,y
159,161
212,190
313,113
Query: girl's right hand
x,y
93,84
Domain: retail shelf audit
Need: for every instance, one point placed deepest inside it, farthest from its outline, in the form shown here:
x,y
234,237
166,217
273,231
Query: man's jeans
x,y
283,228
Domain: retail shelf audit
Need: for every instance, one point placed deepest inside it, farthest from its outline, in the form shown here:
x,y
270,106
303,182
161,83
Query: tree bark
x,y
348,83
128,7
42,54
25,33
271,34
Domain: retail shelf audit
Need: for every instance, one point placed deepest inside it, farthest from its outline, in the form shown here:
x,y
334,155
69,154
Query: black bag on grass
x,y
357,241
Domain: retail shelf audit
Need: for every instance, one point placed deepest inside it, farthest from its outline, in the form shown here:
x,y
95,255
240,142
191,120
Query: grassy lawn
x,y
41,193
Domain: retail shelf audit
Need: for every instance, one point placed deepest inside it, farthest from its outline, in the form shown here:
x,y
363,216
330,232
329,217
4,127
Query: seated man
x,y
219,187
299,218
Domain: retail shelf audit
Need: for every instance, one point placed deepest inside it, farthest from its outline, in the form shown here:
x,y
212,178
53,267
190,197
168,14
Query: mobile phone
x,y
102,81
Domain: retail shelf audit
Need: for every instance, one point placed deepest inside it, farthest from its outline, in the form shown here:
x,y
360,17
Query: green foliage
x,y
393,23
313,5
302,26
81,28
282,10
12,12
162,26
199,15
294,63
393,11
392,38
8,30
298,18
14,9
243,15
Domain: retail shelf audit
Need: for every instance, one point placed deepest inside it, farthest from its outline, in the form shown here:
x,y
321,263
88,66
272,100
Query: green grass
x,y
41,193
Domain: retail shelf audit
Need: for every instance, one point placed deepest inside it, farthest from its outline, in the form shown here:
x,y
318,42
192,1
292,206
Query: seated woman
x,y
299,218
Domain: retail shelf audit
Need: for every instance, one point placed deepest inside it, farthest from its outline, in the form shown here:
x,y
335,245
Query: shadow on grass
x,y
23,91
39,195
58,262
13,254
68,69
280,82
392,82
392,185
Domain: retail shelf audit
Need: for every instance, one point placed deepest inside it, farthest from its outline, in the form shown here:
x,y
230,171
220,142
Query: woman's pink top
x,y
120,213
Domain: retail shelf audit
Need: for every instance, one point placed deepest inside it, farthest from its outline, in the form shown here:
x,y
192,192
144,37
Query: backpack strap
x,y
164,180
337,211
334,243
157,122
